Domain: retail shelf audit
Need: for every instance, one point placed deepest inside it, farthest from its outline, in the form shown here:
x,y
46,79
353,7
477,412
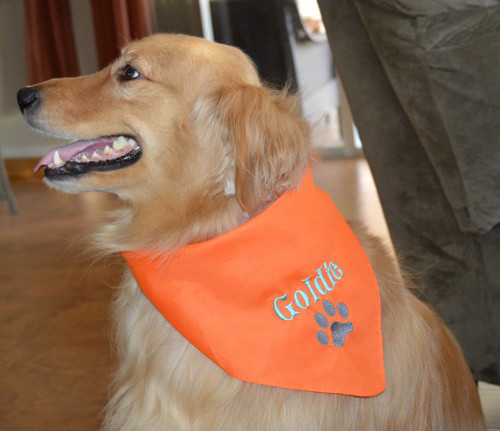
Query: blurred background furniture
x,y
5,189
287,42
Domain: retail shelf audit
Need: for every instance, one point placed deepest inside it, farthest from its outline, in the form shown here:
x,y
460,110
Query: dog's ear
x,y
269,141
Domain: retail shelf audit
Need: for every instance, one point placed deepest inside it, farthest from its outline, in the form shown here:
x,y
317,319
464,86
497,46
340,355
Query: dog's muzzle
x,y
100,154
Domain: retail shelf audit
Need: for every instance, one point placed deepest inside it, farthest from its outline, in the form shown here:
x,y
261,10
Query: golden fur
x,y
204,121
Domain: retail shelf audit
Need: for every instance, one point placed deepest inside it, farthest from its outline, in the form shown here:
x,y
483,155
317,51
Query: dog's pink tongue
x,y
66,152
86,148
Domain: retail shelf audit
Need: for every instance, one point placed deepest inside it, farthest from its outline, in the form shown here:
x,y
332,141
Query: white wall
x,y
12,58
16,139
83,28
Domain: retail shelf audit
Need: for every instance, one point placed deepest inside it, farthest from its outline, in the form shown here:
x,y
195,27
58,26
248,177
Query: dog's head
x,y
177,126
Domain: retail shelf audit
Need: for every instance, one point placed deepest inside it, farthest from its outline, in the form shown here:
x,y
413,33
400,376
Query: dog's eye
x,y
127,73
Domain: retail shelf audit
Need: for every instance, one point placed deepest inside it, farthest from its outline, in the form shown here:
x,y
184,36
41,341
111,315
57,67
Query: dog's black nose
x,y
28,98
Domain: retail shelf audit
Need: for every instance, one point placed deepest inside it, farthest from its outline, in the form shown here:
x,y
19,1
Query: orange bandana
x,y
288,299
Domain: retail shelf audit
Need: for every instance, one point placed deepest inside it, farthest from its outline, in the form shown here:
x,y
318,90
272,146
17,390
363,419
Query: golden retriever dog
x,y
183,131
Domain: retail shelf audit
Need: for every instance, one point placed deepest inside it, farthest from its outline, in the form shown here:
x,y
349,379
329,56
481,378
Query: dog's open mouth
x,y
101,154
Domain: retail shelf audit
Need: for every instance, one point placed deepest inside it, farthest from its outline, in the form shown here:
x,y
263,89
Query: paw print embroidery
x,y
339,330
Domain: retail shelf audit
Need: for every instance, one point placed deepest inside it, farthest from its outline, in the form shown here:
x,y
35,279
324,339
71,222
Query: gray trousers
x,y
423,81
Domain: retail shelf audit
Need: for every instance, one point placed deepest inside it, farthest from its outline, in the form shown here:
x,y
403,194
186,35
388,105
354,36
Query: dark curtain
x,y
259,28
117,22
50,45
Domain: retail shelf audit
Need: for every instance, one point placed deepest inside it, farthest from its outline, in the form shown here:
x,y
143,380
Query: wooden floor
x,y
55,361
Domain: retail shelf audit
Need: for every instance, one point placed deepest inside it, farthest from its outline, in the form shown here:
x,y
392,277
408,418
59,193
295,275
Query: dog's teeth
x,y
107,150
122,139
131,143
95,156
57,160
84,158
120,144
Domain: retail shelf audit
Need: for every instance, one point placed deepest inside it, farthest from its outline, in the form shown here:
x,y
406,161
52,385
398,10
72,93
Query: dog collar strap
x,y
288,299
